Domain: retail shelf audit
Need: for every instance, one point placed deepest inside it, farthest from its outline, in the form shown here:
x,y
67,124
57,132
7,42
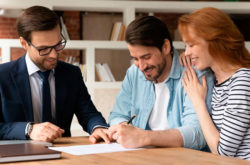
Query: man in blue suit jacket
x,y
21,86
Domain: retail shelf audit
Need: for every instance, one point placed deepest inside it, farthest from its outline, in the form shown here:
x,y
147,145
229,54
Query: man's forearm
x,y
134,137
168,138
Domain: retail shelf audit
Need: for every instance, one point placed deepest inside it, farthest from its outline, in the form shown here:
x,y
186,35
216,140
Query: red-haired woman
x,y
213,41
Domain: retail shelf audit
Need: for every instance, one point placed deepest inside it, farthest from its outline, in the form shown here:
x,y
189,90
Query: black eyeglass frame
x,y
63,42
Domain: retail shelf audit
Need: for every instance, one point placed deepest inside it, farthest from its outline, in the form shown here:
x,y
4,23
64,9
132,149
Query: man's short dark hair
x,y
148,31
36,18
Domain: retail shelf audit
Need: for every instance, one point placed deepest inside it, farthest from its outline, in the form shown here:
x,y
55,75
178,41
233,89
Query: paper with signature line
x,y
92,149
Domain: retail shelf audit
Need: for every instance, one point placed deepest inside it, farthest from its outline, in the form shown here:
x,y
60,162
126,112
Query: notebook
x,y
25,152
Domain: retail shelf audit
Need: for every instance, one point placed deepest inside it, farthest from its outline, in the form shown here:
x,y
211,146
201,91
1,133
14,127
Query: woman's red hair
x,y
225,42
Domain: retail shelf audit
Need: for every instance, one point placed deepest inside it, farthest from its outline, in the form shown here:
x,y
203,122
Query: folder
x,y
25,152
4,142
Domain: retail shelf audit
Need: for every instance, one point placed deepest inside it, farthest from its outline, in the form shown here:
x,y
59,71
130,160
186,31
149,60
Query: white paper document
x,y
92,149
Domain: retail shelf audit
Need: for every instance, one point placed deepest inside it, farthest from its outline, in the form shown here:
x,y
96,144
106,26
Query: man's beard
x,y
159,69
42,65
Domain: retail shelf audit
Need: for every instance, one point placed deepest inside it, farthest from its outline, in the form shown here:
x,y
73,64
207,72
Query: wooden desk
x,y
151,156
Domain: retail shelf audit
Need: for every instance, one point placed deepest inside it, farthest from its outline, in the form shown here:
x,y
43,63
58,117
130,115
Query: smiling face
x,y
41,40
197,49
151,61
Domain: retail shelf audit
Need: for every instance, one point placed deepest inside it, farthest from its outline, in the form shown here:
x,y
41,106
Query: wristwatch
x,y
28,130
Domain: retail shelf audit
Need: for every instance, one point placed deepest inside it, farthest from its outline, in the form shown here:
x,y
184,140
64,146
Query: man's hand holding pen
x,y
127,135
113,134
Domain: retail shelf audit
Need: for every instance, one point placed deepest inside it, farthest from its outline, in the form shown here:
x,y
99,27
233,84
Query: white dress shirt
x,y
36,90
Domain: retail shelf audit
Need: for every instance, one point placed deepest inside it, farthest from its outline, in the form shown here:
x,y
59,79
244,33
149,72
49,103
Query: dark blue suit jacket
x,y
71,98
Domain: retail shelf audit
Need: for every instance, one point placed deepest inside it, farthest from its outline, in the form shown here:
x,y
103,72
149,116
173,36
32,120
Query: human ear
x,y
166,47
24,43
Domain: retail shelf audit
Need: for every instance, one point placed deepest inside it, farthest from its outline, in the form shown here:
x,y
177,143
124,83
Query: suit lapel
x,y
60,88
21,78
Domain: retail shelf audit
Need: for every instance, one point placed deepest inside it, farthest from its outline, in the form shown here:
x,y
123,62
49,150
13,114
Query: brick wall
x,y
7,28
71,19
72,22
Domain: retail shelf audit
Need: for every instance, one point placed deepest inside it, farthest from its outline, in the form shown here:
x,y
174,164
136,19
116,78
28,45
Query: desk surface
x,y
150,156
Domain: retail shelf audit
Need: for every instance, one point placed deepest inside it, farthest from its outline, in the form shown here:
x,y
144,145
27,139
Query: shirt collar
x,y
176,69
31,66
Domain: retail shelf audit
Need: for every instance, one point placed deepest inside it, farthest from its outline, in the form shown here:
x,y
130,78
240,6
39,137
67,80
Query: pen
x,y
131,119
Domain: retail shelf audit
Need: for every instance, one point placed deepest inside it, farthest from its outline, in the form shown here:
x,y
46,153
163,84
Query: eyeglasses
x,y
45,51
